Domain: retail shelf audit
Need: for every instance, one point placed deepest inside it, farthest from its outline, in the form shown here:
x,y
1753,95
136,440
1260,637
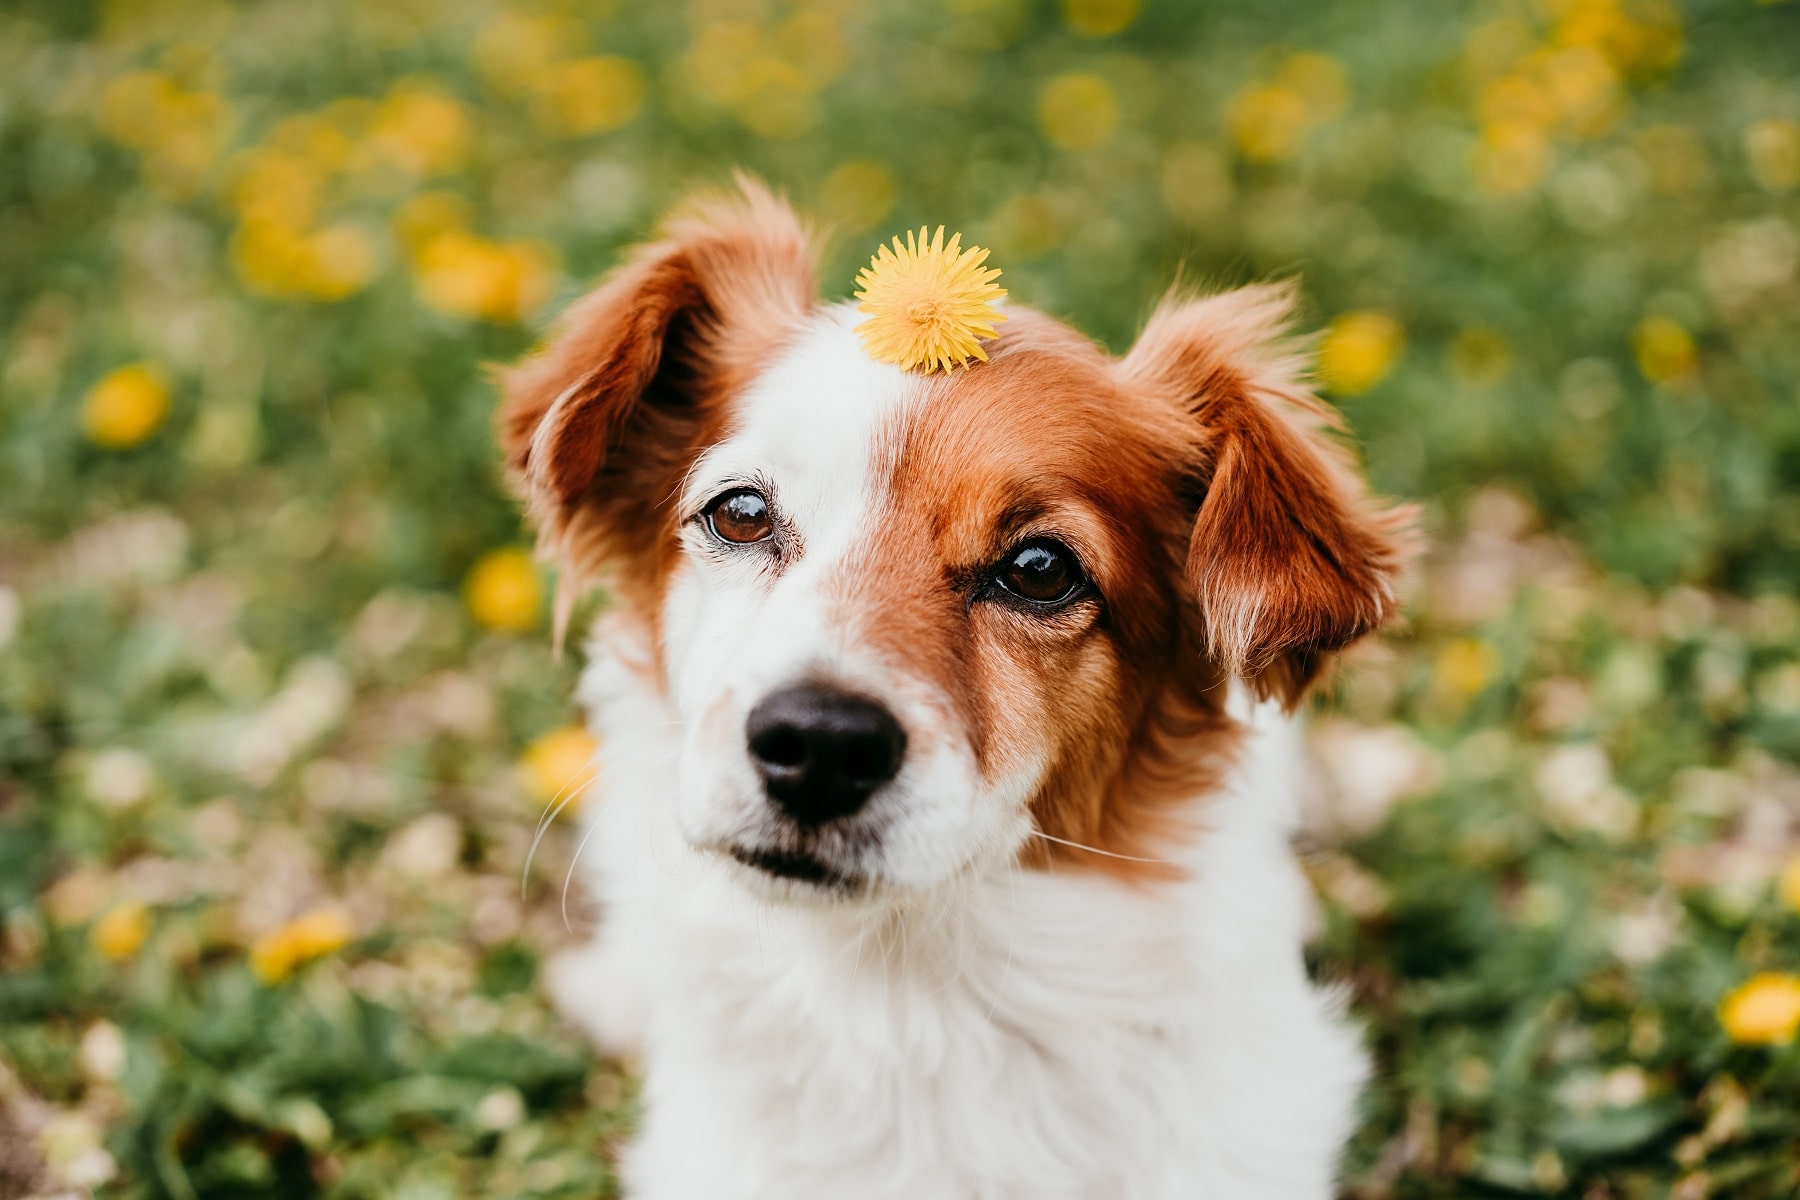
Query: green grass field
x,y
278,709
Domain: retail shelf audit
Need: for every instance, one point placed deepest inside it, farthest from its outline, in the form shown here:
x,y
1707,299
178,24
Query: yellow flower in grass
x,y
1099,18
421,129
503,591
322,931
1665,350
470,276
1764,1010
121,931
1466,666
178,129
125,407
929,304
1267,121
560,764
1078,111
335,261
324,264
1359,350
593,95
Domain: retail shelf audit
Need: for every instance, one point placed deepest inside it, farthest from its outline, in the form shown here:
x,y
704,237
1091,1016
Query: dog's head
x,y
906,622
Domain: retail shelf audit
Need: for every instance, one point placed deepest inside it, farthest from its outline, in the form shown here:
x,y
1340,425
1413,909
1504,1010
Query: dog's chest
x,y
936,1055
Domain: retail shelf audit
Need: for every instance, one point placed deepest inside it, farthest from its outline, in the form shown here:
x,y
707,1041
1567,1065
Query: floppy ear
x,y
1290,558
600,424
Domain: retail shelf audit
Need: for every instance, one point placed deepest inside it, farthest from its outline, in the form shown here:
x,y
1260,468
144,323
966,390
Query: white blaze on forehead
x,y
810,425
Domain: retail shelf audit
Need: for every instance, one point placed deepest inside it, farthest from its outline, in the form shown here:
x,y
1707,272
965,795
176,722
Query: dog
x,y
941,837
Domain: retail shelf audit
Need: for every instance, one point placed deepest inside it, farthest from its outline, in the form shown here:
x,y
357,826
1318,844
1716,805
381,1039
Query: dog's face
x,y
907,622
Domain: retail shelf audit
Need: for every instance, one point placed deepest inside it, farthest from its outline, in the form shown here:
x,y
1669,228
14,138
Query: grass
x,y
277,706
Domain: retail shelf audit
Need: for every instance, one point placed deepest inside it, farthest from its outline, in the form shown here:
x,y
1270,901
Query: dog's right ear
x,y
599,425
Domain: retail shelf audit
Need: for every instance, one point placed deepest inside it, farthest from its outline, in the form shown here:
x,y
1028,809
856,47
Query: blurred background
x,y
278,712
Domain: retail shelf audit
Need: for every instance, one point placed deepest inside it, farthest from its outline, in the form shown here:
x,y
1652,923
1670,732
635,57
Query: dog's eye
x,y
1042,571
740,516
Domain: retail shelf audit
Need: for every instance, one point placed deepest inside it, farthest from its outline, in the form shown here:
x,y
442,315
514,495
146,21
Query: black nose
x,y
822,752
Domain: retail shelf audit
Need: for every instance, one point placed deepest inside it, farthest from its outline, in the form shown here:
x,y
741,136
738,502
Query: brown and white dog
x,y
942,831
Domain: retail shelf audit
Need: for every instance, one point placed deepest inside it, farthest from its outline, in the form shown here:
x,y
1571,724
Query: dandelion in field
x,y
559,764
275,955
503,591
119,934
1665,351
469,276
1763,1011
1466,666
419,129
1359,350
593,95
1099,18
126,406
1078,111
179,131
1268,120
929,304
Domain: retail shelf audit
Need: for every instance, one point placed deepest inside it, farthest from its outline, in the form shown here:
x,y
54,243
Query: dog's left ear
x,y
1290,558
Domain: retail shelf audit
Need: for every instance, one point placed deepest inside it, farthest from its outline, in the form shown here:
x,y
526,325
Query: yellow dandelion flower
x,y
1099,18
558,764
1358,351
322,931
1466,666
929,304
1764,1010
593,95
1665,350
125,407
470,276
503,591
1267,122
1078,111
420,129
121,931
337,261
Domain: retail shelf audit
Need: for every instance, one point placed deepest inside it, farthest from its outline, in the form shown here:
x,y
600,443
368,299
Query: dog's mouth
x,y
795,865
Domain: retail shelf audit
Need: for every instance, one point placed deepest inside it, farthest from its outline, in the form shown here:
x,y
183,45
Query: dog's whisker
x,y
1161,862
592,771
575,858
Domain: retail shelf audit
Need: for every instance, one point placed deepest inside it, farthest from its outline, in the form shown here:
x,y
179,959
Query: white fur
x,y
968,1029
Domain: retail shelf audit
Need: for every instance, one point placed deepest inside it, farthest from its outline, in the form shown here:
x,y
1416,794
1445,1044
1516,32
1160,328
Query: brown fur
x,y
1290,557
